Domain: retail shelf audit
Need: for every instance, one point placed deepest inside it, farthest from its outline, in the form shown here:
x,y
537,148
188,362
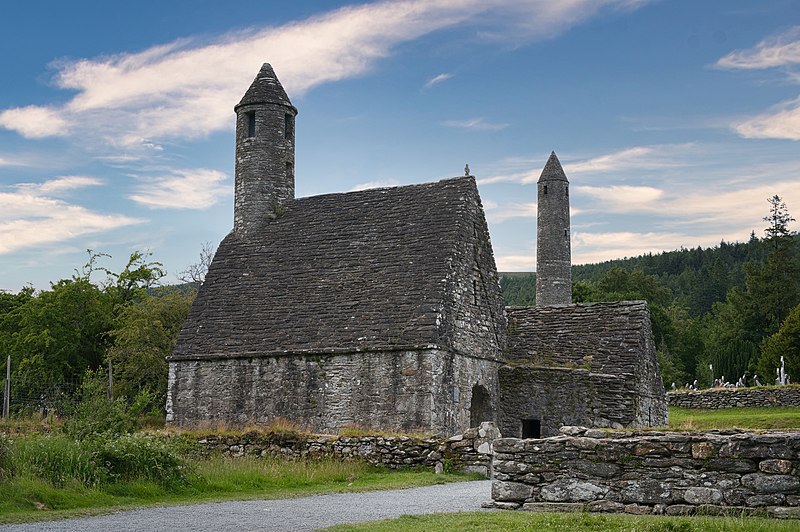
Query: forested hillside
x,y
735,306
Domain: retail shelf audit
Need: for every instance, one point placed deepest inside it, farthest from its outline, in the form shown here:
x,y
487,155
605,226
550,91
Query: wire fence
x,y
35,396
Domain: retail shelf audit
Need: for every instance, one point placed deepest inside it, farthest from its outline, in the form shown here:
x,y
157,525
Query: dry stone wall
x,y
717,472
470,451
737,397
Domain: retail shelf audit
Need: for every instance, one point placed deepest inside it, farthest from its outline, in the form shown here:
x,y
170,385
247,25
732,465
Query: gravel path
x,y
305,513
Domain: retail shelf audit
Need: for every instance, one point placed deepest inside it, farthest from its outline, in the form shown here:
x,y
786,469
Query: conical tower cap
x,y
265,89
552,170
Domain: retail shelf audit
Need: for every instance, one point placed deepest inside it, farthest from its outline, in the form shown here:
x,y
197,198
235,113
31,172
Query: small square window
x,y
531,428
288,126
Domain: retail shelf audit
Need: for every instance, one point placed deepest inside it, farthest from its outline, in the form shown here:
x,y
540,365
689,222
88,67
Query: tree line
x,y
735,307
63,337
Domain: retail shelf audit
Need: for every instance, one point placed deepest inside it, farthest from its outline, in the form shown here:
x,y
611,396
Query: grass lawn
x,y
728,418
534,522
26,498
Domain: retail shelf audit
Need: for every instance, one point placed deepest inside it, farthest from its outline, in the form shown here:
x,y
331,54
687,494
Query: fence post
x,y
7,390
110,381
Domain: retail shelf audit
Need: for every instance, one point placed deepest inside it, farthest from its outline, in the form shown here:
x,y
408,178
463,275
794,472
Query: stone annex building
x,y
382,308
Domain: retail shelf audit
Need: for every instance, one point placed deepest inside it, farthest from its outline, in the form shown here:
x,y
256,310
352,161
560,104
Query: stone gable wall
x,y
766,396
673,473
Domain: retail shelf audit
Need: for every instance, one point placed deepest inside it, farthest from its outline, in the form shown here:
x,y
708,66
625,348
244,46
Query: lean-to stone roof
x,y
365,270
614,335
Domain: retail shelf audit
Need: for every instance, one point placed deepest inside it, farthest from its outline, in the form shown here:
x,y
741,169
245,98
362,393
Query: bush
x,y
141,457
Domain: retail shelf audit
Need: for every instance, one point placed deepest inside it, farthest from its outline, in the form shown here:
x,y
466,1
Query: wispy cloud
x,y
32,216
783,120
183,189
435,80
156,93
375,184
627,197
776,51
478,124
500,213
653,157
780,122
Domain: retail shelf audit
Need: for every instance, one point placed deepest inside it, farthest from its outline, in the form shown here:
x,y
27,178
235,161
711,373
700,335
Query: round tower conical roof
x,y
552,171
265,89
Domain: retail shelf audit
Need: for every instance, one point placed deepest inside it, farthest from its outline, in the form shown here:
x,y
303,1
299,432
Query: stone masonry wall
x,y
399,390
562,396
737,397
469,452
717,472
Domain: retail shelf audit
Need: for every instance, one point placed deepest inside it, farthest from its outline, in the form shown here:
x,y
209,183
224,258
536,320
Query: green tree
x,y
786,343
147,333
779,220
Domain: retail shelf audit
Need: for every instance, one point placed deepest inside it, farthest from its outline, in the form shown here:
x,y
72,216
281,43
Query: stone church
x,y
382,308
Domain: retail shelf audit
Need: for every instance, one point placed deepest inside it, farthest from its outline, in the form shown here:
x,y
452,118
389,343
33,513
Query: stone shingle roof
x,y
265,89
552,170
363,270
614,335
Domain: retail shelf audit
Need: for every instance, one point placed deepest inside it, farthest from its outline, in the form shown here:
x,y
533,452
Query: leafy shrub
x,y
140,457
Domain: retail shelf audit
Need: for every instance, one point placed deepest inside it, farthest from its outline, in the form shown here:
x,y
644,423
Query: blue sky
x,y
674,120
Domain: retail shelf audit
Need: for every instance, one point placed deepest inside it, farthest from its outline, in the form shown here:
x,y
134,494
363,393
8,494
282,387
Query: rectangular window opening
x,y
545,189
289,170
288,126
251,124
531,428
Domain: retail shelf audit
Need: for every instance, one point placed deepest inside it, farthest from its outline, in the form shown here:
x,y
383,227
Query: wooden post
x,y
110,382
7,390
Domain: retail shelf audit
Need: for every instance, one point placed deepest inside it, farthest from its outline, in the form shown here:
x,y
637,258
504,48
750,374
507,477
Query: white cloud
x,y
185,88
35,122
776,51
375,184
781,122
183,189
478,124
435,80
626,197
500,213
31,217
516,263
653,157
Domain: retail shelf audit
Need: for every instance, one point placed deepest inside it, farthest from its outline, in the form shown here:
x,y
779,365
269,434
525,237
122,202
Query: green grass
x,y
534,522
42,491
728,418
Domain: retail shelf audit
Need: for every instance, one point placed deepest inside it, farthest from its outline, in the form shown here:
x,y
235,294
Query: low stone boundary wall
x,y
764,396
716,472
469,452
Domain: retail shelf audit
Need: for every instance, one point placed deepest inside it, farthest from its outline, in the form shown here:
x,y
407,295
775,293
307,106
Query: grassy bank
x,y
49,477
534,522
728,418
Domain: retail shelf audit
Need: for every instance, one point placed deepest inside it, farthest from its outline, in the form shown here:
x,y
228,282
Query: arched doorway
x,y
480,406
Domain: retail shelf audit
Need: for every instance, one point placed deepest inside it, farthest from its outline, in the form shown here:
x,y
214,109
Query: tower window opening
x,y
566,233
289,170
566,190
288,126
251,124
545,189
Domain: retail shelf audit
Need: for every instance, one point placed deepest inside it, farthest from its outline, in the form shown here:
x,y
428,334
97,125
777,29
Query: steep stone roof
x,y
552,170
364,270
615,335
265,89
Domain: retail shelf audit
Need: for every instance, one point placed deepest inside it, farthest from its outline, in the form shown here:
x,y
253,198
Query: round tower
x,y
264,152
553,256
